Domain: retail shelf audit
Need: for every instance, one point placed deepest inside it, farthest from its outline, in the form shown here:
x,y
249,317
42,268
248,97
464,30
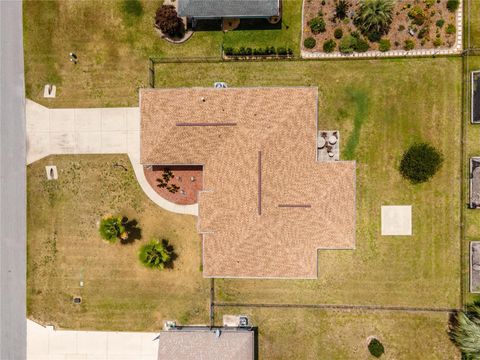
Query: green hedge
x,y
248,51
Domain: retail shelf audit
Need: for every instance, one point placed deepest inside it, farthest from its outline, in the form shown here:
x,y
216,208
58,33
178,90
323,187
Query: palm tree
x,y
112,228
374,18
156,254
465,331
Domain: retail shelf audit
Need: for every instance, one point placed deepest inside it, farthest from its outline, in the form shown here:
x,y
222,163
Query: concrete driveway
x,y
81,131
45,343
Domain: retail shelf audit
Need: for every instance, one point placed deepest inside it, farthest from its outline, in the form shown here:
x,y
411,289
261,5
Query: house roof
x,y
194,344
228,8
267,204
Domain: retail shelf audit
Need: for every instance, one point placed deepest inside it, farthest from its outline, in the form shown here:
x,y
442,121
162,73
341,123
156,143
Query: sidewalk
x,y
92,131
45,343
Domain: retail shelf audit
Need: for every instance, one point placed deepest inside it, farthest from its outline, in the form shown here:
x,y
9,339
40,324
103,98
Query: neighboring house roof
x,y
259,156
190,344
228,8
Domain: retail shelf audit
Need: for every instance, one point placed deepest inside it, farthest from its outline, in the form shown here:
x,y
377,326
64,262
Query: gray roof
x,y
188,344
228,8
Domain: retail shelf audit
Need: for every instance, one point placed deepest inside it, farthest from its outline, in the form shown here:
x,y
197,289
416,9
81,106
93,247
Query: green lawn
x,y
474,23
64,247
380,108
113,48
342,335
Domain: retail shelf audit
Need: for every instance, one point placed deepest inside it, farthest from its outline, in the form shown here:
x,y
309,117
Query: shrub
x,y
464,331
338,33
401,27
112,228
167,20
452,5
228,51
420,163
309,43
376,348
450,29
374,18
384,45
360,45
417,15
156,254
429,3
347,44
329,46
317,25
437,42
341,9
440,23
281,51
423,32
409,45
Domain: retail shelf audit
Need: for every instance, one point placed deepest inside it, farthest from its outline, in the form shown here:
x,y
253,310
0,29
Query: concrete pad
x,y
62,142
114,142
88,120
62,120
38,117
38,145
88,142
397,220
113,119
133,119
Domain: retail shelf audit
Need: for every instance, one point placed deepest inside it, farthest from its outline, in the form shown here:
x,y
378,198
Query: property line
x,y
259,183
206,124
294,205
340,307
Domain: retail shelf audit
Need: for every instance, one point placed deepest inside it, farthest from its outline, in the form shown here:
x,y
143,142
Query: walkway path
x,y
92,131
45,343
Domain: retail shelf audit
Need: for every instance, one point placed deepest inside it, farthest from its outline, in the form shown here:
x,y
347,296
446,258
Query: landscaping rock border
x,y
455,49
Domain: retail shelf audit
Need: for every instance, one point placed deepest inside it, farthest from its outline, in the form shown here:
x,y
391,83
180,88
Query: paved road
x,y
12,185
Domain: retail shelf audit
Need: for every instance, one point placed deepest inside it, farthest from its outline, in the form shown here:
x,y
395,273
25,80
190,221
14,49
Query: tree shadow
x,y
134,232
173,255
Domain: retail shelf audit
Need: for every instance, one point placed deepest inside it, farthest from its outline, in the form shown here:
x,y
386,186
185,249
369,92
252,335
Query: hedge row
x,y
243,51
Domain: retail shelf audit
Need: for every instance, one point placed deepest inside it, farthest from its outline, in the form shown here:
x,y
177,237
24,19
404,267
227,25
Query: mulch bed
x,y
398,30
182,177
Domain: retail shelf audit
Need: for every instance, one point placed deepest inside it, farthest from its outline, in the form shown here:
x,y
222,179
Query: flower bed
x,y
336,25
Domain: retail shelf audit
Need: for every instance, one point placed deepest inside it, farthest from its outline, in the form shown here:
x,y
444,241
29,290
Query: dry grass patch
x,y
64,247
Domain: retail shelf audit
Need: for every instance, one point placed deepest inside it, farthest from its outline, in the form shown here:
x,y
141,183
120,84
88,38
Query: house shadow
x,y
134,232
245,24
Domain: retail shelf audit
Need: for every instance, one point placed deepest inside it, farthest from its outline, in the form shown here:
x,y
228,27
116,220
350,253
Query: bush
x,y
417,15
437,42
374,18
228,51
167,20
341,9
329,46
423,32
156,254
281,51
420,163
112,228
338,33
451,29
452,5
317,25
384,45
361,45
464,331
440,23
347,44
376,348
309,43
409,45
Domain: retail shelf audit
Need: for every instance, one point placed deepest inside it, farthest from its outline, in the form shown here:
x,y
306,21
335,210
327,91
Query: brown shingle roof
x,y
280,124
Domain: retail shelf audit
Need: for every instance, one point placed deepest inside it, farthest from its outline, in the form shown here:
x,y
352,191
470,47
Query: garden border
x,y
456,49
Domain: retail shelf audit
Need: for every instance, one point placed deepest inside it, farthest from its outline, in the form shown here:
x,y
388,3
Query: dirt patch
x,y
183,186
424,36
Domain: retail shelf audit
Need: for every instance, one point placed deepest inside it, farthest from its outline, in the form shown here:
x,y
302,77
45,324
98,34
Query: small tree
x,y
167,20
112,228
374,18
317,25
156,254
452,5
464,331
309,42
375,347
420,163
